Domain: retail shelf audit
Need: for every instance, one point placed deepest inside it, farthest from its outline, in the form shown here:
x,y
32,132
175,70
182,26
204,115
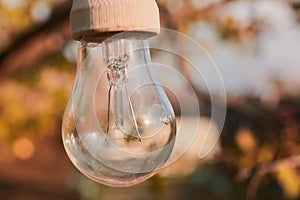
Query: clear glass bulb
x,y
119,127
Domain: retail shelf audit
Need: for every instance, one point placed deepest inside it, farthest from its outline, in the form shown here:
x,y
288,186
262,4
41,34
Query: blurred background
x,y
256,45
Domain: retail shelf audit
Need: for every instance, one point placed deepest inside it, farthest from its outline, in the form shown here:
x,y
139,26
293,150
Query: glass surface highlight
x,y
119,127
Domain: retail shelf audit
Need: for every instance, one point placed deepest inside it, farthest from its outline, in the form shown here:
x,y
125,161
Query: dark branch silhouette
x,y
39,41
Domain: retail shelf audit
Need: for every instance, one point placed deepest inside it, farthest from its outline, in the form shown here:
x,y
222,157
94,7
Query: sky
x,y
273,55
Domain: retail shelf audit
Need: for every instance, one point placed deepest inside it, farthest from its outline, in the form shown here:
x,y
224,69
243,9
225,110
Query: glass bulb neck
x,y
117,73
117,54
116,50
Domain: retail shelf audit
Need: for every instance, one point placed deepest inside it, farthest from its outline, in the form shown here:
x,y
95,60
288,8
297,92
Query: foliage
x,y
259,156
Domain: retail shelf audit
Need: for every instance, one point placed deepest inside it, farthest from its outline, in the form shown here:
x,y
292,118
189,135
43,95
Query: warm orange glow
x,y
23,148
245,140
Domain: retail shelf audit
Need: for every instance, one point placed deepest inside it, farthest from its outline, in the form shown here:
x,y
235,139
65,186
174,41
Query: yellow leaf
x,y
289,181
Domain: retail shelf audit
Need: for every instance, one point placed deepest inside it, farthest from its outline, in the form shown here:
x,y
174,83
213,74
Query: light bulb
x,y
119,127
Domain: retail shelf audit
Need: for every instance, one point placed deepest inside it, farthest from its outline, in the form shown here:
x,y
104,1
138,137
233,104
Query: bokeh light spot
x,y
23,148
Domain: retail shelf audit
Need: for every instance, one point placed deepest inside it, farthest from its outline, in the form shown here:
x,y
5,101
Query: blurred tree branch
x,y
274,123
269,167
36,43
249,108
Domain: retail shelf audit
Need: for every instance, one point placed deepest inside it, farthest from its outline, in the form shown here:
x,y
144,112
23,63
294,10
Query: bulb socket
x,y
96,20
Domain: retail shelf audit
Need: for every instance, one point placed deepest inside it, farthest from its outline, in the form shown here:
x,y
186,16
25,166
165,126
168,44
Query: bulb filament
x,y
117,77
